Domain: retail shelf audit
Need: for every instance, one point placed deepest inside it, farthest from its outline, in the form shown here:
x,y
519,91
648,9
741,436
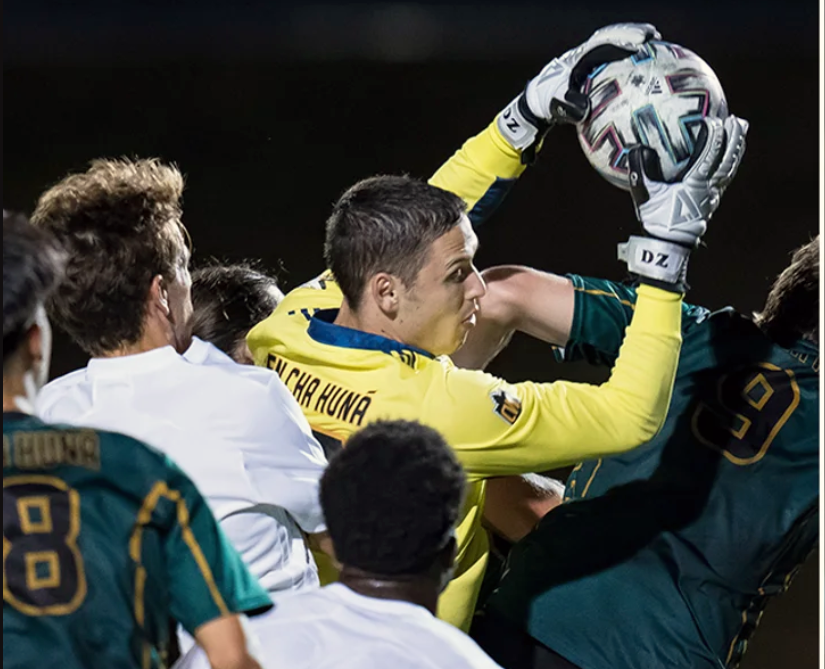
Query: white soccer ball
x,y
657,97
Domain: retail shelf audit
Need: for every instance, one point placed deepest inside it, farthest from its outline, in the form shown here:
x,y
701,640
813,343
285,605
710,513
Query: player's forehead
x,y
458,244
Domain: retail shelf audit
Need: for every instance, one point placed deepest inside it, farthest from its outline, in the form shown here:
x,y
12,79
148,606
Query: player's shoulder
x,y
310,611
727,338
212,371
454,377
322,292
65,444
325,281
803,358
464,652
206,354
419,636
403,634
126,453
408,631
31,423
63,388
71,379
454,394
256,398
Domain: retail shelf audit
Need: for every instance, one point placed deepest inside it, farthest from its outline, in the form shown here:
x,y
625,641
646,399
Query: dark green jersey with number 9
x,y
104,542
665,556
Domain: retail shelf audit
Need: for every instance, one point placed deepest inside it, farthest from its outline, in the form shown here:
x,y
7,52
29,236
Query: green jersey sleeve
x,y
207,578
603,310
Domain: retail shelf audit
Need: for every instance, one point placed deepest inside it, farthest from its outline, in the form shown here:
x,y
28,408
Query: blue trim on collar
x,y
323,330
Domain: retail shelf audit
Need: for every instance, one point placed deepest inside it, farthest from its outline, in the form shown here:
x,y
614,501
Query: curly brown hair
x,y
120,223
791,311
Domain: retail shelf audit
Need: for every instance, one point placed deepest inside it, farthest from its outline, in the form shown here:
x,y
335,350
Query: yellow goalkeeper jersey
x,y
344,379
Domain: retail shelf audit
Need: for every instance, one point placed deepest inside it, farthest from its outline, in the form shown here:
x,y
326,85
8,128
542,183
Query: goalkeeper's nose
x,y
475,286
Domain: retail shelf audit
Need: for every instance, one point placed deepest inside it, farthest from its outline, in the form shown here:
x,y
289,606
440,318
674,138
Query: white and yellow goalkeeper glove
x,y
675,215
554,96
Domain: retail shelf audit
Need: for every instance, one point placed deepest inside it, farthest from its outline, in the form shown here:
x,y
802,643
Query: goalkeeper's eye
x,y
460,275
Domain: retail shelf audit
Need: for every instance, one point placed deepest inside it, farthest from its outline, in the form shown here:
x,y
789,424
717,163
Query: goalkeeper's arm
x,y
485,168
542,305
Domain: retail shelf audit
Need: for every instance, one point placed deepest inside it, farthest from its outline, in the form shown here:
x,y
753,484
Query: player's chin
x,y
461,338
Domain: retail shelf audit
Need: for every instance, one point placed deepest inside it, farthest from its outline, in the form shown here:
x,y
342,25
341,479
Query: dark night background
x,y
272,109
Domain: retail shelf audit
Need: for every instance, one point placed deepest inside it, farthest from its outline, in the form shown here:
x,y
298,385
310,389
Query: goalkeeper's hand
x,y
675,215
554,96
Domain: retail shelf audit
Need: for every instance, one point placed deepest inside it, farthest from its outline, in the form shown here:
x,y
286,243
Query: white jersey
x,y
336,628
235,430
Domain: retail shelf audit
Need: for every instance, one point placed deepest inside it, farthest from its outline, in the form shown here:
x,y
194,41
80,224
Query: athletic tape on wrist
x,y
516,127
655,259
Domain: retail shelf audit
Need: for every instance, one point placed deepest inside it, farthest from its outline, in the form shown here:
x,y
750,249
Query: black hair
x,y
32,265
228,301
386,224
791,311
392,498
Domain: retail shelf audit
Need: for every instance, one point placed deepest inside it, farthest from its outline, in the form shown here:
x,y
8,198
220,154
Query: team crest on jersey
x,y
506,405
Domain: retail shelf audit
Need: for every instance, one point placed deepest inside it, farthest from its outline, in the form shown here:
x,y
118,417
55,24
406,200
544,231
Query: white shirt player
x,y
236,430
336,628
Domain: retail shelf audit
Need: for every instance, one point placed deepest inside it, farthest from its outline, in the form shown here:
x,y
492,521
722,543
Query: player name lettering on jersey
x,y
321,396
47,449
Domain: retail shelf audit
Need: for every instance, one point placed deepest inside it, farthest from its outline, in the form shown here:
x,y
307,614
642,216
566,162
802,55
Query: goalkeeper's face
x,y
437,312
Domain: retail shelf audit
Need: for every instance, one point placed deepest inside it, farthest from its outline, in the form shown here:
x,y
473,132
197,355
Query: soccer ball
x,y
656,97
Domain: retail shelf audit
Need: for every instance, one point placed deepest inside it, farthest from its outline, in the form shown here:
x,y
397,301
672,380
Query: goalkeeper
x,y
371,343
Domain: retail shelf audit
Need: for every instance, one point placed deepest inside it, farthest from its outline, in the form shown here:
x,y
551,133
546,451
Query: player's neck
x,y
349,318
416,589
151,339
364,321
10,403
14,389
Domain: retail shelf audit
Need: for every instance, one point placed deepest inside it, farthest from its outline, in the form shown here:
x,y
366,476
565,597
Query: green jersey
x,y
666,556
105,541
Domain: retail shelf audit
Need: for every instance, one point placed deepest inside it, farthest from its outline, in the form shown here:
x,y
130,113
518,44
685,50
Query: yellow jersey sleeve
x,y
498,428
345,379
481,172
322,292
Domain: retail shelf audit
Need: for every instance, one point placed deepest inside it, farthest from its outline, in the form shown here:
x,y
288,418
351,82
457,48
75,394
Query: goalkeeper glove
x,y
554,96
675,215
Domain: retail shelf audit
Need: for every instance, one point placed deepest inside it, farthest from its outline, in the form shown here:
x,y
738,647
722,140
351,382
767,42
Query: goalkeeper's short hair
x,y
386,224
392,498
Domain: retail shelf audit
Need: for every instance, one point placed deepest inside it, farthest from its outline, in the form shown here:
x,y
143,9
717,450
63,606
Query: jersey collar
x,y
202,353
14,418
15,415
323,330
148,361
